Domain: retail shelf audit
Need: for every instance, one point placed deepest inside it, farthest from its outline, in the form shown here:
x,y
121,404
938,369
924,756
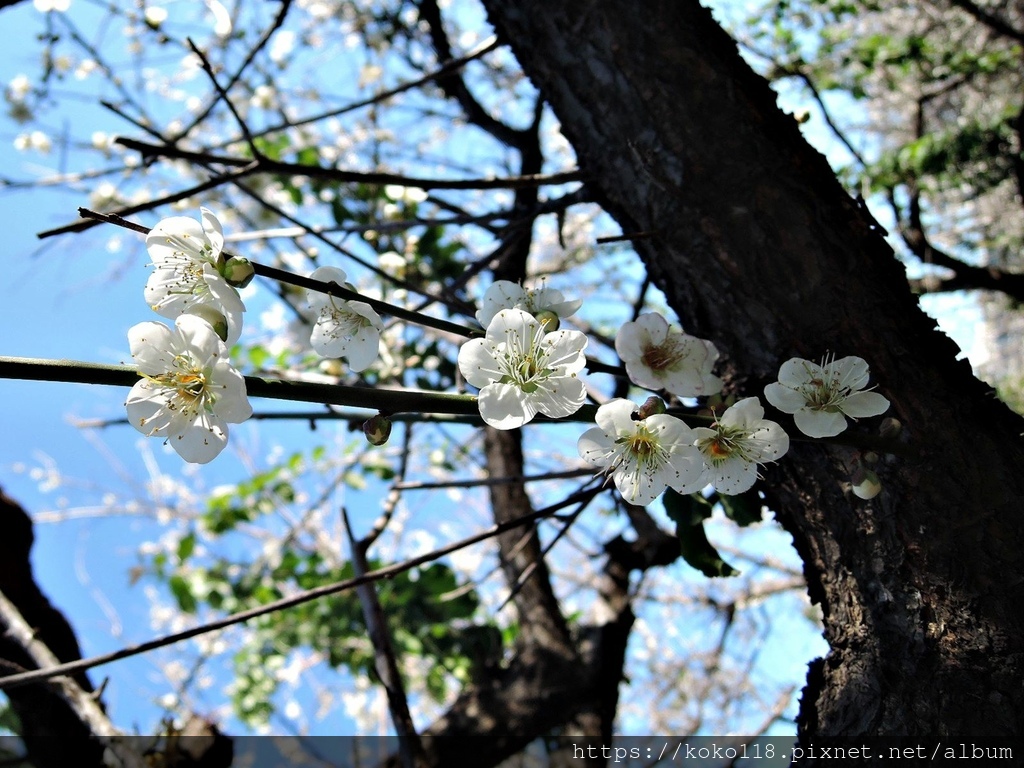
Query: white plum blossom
x,y
643,455
504,294
739,440
188,257
821,396
521,370
189,392
349,329
657,357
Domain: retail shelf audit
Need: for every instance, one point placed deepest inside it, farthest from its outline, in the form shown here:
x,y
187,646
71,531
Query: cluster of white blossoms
x,y
645,454
524,366
189,392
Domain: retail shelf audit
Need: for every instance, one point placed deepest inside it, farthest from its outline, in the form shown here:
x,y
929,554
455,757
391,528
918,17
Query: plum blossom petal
x,y
179,242
821,396
189,392
504,294
521,370
642,456
736,443
349,329
659,357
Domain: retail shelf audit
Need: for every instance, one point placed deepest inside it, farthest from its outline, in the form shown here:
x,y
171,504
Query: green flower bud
x,y
238,272
377,429
548,320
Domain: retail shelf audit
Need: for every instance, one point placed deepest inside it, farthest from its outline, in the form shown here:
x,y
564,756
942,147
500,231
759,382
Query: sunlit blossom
x,y
658,356
522,370
739,440
821,396
643,456
189,392
349,329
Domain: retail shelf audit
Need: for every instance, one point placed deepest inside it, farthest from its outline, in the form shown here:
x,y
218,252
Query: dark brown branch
x,y
409,747
965,276
990,20
84,707
454,86
266,165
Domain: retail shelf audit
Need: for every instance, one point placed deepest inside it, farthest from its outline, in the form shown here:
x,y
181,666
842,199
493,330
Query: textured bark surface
x,y
758,248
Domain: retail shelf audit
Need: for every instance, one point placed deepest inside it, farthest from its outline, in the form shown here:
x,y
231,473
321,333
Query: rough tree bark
x,y
43,713
757,247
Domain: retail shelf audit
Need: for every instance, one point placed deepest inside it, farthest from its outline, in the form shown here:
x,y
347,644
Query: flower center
x,y
640,449
524,363
643,445
824,394
665,356
726,444
188,382
340,321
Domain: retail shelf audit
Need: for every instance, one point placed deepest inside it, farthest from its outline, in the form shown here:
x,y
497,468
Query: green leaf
x,y
182,593
743,509
698,551
186,546
689,514
686,510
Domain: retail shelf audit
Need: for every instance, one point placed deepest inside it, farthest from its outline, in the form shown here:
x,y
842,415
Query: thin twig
x,y
409,746
34,676
529,569
390,503
467,483
222,95
268,165
250,57
212,183
449,66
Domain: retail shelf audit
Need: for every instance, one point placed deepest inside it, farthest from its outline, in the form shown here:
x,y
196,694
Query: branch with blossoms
x,y
525,365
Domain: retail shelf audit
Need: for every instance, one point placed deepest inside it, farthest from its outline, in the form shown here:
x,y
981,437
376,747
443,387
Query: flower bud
x,y
653,405
866,484
217,321
238,272
377,429
548,320
890,428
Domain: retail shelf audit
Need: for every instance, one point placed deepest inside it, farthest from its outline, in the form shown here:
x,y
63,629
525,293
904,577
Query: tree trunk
x,y
758,248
